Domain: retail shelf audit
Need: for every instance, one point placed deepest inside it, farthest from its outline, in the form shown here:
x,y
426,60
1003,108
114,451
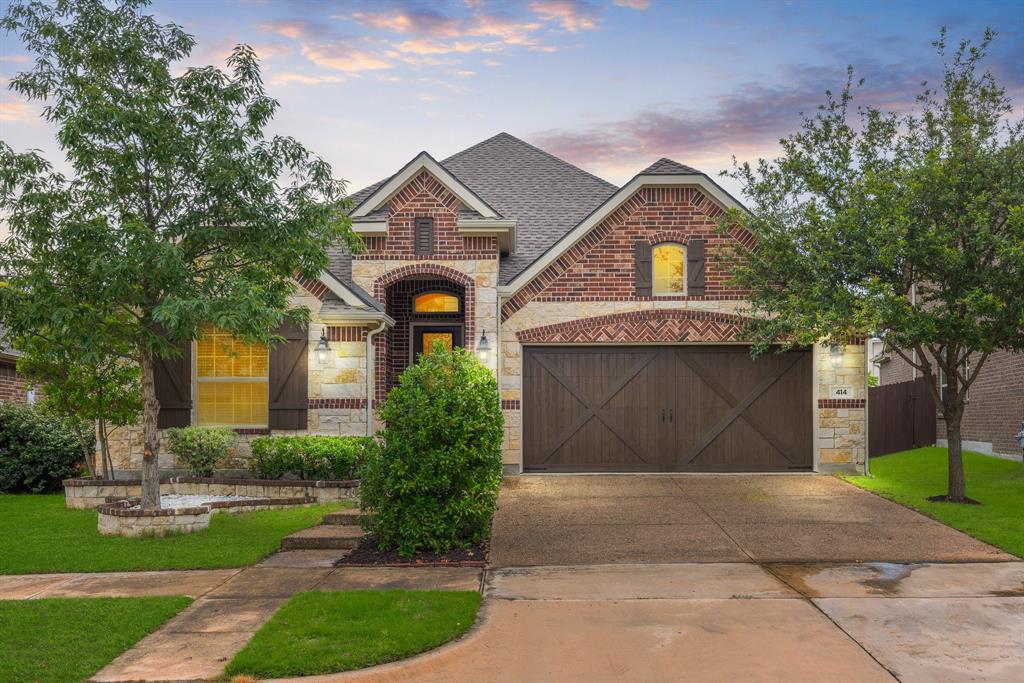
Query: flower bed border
x,y
83,494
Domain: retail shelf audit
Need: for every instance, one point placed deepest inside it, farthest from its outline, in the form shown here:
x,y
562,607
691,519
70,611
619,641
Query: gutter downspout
x,y
370,369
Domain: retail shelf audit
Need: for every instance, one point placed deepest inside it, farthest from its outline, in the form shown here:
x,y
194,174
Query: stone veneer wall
x,y
82,494
482,308
337,395
841,430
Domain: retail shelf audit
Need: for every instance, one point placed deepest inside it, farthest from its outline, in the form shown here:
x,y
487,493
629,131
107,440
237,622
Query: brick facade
x,y
587,295
422,197
13,386
600,266
995,405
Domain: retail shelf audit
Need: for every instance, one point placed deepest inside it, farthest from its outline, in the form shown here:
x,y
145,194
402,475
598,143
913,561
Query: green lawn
x,y
69,639
912,476
318,633
41,535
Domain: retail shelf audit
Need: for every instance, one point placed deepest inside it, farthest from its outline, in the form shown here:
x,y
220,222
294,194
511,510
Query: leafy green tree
x,y
86,386
907,224
180,209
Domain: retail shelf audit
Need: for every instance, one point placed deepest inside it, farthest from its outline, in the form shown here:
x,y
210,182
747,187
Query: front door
x,y
424,337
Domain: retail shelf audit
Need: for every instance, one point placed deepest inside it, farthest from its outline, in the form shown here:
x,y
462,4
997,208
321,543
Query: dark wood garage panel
x,y
665,409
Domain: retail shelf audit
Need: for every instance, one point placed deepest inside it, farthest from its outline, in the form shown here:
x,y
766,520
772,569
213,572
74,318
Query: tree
x,y
87,386
181,211
909,225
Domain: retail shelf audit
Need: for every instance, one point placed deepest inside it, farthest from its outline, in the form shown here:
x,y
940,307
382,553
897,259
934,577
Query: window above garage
x,y
668,262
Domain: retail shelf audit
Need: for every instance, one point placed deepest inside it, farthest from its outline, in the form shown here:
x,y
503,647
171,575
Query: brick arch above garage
x,y
650,326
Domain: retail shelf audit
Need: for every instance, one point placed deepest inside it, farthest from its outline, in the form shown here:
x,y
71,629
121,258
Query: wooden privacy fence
x,y
900,417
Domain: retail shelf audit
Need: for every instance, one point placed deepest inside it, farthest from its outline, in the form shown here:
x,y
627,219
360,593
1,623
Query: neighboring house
x,y
610,323
13,386
995,402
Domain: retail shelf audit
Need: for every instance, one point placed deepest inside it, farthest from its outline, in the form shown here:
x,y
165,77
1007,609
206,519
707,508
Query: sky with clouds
x,y
610,85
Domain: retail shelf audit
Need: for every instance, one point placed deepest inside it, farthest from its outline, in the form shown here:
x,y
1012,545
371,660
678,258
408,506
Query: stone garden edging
x,y
84,494
119,517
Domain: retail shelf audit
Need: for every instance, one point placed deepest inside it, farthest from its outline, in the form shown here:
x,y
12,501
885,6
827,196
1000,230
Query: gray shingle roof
x,y
546,195
665,166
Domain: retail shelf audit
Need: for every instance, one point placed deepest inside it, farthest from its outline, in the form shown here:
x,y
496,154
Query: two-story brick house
x,y
604,311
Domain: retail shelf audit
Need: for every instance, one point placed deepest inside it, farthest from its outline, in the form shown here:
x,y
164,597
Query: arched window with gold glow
x,y
669,265
436,302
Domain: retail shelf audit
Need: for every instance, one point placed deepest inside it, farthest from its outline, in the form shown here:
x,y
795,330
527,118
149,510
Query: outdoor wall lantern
x,y
323,349
483,348
835,356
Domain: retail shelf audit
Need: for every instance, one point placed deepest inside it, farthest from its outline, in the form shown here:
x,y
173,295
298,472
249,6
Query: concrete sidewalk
x,y
721,623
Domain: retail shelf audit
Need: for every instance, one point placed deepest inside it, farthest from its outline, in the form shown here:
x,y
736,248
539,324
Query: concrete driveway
x,y
607,519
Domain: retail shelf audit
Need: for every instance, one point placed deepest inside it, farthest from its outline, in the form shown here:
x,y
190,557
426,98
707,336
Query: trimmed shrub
x,y
201,449
309,457
434,483
37,449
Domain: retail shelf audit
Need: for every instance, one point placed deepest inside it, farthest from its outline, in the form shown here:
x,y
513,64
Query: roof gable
x,y
385,190
665,178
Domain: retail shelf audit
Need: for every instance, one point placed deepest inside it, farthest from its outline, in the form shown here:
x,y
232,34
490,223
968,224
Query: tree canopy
x,y
905,224
181,211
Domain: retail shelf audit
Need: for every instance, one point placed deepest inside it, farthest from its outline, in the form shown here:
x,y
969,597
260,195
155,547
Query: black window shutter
x,y
172,379
289,380
695,268
642,265
424,235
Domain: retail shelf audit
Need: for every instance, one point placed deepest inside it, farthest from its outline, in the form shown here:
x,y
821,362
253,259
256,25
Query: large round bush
x,y
433,485
37,449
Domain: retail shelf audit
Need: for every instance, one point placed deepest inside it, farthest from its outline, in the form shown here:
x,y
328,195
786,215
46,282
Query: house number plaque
x,y
841,391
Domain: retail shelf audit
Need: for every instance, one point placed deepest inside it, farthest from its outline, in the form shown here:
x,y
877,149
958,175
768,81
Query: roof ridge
x,y
534,148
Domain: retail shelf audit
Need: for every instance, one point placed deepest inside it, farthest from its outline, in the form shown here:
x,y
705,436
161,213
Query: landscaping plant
x,y
433,485
179,208
38,449
309,457
905,224
201,449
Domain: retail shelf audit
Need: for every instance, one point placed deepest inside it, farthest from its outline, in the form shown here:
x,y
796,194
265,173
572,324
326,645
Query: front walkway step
x,y
348,517
324,537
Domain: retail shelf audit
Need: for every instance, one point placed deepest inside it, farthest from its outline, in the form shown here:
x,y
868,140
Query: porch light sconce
x,y
323,349
835,356
483,349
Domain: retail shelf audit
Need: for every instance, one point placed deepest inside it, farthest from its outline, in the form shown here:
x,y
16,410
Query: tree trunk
x,y
150,436
87,457
108,469
957,485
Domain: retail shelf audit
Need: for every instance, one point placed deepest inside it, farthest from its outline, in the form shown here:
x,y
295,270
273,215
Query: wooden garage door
x,y
665,409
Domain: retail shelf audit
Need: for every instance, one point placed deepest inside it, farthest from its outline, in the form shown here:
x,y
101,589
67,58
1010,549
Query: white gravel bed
x,y
174,500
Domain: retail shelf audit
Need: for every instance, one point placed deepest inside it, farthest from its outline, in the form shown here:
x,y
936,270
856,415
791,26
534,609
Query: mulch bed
x,y
945,499
369,555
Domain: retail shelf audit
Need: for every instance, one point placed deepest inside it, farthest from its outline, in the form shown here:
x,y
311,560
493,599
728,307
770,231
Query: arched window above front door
x,y
436,302
668,262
